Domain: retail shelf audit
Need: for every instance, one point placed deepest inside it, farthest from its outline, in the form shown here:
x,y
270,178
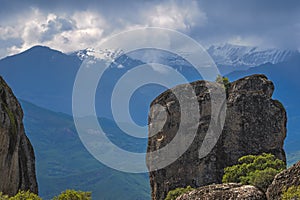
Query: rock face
x,y
284,180
254,123
229,191
17,161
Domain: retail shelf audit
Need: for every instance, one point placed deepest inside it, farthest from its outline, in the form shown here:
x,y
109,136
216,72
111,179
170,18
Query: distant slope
x,y
62,162
43,76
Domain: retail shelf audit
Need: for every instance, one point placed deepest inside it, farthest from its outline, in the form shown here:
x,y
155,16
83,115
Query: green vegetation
x,y
173,194
3,197
225,81
74,195
254,170
22,195
66,195
293,193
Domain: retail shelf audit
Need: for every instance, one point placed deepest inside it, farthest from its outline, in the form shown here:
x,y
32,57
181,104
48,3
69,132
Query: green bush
x,y
293,193
22,195
66,195
225,81
74,195
173,194
254,170
3,197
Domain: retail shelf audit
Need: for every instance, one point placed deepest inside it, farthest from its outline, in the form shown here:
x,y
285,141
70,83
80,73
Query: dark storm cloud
x,y
109,7
55,26
274,22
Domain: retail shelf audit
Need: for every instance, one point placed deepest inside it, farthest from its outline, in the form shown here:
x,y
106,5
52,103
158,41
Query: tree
x,y
22,195
254,170
74,195
173,194
293,193
3,197
225,81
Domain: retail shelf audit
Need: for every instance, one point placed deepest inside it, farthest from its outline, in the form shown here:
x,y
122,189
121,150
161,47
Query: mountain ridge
x,y
62,162
51,86
42,83
236,55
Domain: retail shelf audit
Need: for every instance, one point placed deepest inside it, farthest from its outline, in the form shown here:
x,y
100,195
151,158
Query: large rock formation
x,y
284,180
17,161
254,123
228,191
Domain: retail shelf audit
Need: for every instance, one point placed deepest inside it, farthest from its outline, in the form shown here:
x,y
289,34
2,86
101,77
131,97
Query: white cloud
x,y
86,19
83,29
245,41
161,69
8,32
174,15
71,26
65,33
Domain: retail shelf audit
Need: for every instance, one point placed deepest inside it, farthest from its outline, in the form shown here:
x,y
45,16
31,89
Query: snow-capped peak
x,y
103,54
235,55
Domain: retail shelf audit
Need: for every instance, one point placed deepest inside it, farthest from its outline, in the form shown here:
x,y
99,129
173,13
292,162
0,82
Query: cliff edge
x,y
254,124
17,160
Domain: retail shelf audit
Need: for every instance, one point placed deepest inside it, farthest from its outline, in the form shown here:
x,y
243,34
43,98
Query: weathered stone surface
x,y
229,191
17,161
254,123
284,180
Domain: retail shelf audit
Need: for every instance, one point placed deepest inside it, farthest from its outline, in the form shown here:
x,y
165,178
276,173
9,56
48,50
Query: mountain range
x,y
43,78
231,58
235,55
62,162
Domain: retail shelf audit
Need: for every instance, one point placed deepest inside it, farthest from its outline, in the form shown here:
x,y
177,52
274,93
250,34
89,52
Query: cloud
x,y
8,32
80,29
69,26
65,33
245,41
55,25
179,16
269,23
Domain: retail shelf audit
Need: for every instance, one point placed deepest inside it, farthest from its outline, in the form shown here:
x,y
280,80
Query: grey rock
x,y
254,124
228,191
17,160
284,180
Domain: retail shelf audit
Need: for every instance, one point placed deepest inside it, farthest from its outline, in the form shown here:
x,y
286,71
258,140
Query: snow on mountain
x,y
228,57
245,56
106,54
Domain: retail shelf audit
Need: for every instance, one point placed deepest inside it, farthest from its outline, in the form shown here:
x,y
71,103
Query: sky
x,y
69,25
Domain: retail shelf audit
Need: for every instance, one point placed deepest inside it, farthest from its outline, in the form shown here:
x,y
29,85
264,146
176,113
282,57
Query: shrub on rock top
x,y
257,170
